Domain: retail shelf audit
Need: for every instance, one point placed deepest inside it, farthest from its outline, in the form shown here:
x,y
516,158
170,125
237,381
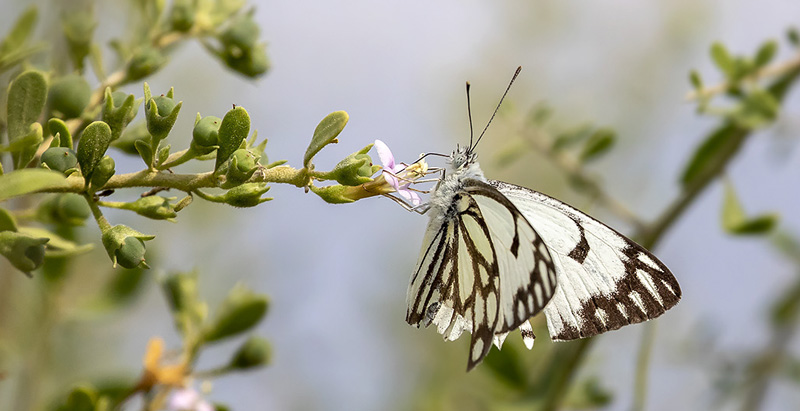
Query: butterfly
x,y
496,254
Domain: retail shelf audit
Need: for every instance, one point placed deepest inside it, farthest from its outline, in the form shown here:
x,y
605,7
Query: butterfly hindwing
x,y
605,280
482,269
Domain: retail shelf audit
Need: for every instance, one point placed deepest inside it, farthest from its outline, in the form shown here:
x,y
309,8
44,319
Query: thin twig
x,y
773,70
569,165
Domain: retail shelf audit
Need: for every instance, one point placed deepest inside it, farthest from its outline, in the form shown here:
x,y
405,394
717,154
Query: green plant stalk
x,y
98,215
185,182
649,238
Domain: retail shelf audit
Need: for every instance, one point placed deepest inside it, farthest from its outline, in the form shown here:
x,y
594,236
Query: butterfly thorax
x,y
463,166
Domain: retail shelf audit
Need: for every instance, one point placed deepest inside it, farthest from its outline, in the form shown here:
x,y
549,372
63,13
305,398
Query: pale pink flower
x,y
187,399
391,172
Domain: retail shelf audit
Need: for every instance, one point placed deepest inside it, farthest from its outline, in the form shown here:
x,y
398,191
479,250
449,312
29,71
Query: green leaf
x,y
506,366
735,220
722,58
234,129
598,144
82,398
696,80
7,221
766,53
255,352
26,98
26,181
92,147
758,109
145,152
793,36
21,31
710,156
58,126
241,310
32,139
326,132
571,137
786,309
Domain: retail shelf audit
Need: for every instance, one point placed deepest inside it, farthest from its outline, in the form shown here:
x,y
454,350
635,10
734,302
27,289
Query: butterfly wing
x,y
605,280
482,268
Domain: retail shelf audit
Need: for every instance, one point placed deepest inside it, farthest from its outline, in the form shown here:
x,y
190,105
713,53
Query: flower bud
x,y
255,352
182,15
239,168
241,310
241,34
103,171
355,169
161,115
69,95
205,136
125,246
119,109
246,195
155,207
252,63
59,159
24,252
144,63
67,209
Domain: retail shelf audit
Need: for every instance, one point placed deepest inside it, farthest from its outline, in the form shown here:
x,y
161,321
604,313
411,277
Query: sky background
x,y
337,274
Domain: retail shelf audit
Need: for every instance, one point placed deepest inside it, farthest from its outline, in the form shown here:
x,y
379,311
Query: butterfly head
x,y
462,158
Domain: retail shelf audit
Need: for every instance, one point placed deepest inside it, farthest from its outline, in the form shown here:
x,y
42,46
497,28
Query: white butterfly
x,y
496,254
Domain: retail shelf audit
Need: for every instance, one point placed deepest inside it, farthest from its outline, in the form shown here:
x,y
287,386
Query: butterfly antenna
x,y
469,113
516,73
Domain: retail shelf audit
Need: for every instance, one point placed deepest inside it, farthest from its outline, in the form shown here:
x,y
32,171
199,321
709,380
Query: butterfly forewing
x,y
482,268
605,280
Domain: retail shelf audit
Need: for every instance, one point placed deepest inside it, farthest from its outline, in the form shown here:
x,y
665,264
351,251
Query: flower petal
x,y
387,159
184,399
410,196
391,179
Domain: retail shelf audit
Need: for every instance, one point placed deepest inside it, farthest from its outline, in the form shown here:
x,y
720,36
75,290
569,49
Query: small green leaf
x,y
722,58
33,139
735,220
78,25
26,99
234,129
787,308
82,398
326,132
145,152
598,144
92,147
571,137
21,31
506,366
7,221
58,126
765,53
793,36
255,352
31,180
241,310
696,80
709,158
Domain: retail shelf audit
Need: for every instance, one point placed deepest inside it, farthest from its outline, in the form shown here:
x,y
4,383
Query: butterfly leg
x,y
420,209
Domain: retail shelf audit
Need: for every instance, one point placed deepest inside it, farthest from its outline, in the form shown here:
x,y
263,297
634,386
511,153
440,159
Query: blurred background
x,y
337,274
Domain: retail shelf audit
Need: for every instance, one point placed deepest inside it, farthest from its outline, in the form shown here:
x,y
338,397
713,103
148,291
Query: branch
x,y
774,70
